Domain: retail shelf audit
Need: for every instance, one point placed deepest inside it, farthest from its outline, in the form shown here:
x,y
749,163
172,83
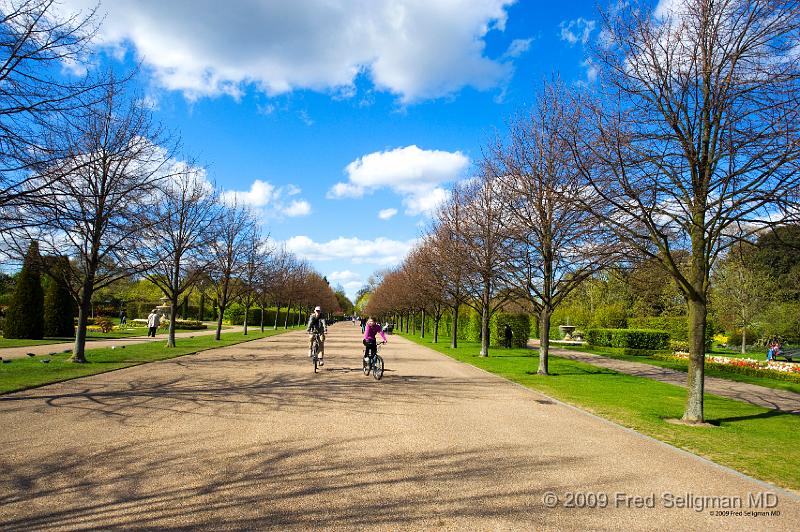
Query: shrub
x,y
25,314
676,326
59,306
520,327
629,338
104,324
192,325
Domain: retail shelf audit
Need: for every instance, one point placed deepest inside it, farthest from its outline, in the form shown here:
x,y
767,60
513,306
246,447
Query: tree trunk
x,y
744,340
173,313
413,324
423,324
454,338
79,349
436,329
222,305
277,316
697,352
262,319
246,312
286,318
202,309
544,341
485,323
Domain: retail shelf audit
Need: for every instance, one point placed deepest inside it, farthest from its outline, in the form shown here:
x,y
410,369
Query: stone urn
x,y
566,331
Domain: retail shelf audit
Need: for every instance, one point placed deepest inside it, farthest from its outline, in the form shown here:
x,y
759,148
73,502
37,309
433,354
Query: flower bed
x,y
746,366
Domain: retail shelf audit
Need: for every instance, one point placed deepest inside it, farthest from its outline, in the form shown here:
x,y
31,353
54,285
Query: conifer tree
x,y
25,316
59,306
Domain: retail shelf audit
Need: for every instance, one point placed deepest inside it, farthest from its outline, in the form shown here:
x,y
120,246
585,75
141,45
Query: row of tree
x,y
688,143
87,174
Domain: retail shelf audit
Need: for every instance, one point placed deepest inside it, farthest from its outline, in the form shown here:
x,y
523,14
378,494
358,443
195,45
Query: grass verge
x,y
24,373
682,365
754,440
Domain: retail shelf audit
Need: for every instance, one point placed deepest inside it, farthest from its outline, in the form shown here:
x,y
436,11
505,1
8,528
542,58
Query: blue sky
x,y
343,123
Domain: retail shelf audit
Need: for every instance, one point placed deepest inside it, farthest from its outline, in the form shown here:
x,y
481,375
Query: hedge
x,y
628,338
520,327
676,326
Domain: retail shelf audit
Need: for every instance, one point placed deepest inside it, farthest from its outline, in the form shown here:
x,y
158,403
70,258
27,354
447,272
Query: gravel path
x,y
782,400
248,437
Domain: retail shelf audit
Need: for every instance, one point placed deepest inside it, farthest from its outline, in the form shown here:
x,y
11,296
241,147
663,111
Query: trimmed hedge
x,y
520,327
676,326
628,338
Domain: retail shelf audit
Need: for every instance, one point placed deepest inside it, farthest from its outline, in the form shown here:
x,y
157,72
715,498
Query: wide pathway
x,y
248,437
49,349
783,400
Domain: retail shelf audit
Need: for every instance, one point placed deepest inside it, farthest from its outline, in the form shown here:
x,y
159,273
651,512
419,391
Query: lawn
x,y
754,440
682,365
22,373
90,336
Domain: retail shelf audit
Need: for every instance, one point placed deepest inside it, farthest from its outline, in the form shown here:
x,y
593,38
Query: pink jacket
x,y
371,330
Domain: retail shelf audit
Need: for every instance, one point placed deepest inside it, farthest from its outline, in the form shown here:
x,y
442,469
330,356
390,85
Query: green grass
x,y
90,336
754,440
23,373
682,365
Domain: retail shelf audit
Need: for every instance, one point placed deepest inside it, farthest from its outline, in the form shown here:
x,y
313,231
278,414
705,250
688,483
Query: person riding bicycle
x,y
316,324
371,329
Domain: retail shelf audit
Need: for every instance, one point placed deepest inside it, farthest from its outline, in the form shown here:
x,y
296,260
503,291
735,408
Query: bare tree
x,y
233,235
104,198
694,139
255,261
450,249
35,94
486,237
177,245
557,244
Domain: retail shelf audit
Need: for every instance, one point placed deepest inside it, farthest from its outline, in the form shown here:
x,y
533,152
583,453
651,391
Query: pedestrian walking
x,y
153,321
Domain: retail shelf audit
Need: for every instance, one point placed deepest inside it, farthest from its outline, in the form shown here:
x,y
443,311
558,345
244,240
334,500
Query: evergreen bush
x,y
25,315
628,338
59,306
520,327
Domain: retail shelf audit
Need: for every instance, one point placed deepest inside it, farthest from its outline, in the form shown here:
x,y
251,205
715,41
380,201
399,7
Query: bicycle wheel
x,y
377,370
314,358
365,364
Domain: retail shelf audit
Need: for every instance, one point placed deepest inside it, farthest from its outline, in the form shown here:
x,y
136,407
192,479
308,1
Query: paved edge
x,y
784,491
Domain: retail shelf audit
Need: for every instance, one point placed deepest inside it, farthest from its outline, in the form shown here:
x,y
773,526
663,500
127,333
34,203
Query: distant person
x,y
509,334
153,321
123,318
363,321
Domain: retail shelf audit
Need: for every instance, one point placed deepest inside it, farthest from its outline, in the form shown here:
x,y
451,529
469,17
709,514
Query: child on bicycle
x,y
371,329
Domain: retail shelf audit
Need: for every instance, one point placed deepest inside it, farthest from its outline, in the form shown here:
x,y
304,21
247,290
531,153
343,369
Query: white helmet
x,y
317,308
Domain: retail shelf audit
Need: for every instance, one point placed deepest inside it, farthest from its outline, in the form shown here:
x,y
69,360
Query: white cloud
x,y
381,251
298,208
414,49
414,173
269,200
518,47
577,31
386,214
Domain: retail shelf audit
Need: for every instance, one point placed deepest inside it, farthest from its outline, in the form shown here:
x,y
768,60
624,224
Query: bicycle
x,y
373,363
315,341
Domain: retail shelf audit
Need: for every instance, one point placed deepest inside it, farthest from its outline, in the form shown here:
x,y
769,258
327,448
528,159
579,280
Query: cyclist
x,y
371,329
316,324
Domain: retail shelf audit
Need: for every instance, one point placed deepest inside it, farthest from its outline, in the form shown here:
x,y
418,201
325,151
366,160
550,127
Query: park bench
x,y
789,355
